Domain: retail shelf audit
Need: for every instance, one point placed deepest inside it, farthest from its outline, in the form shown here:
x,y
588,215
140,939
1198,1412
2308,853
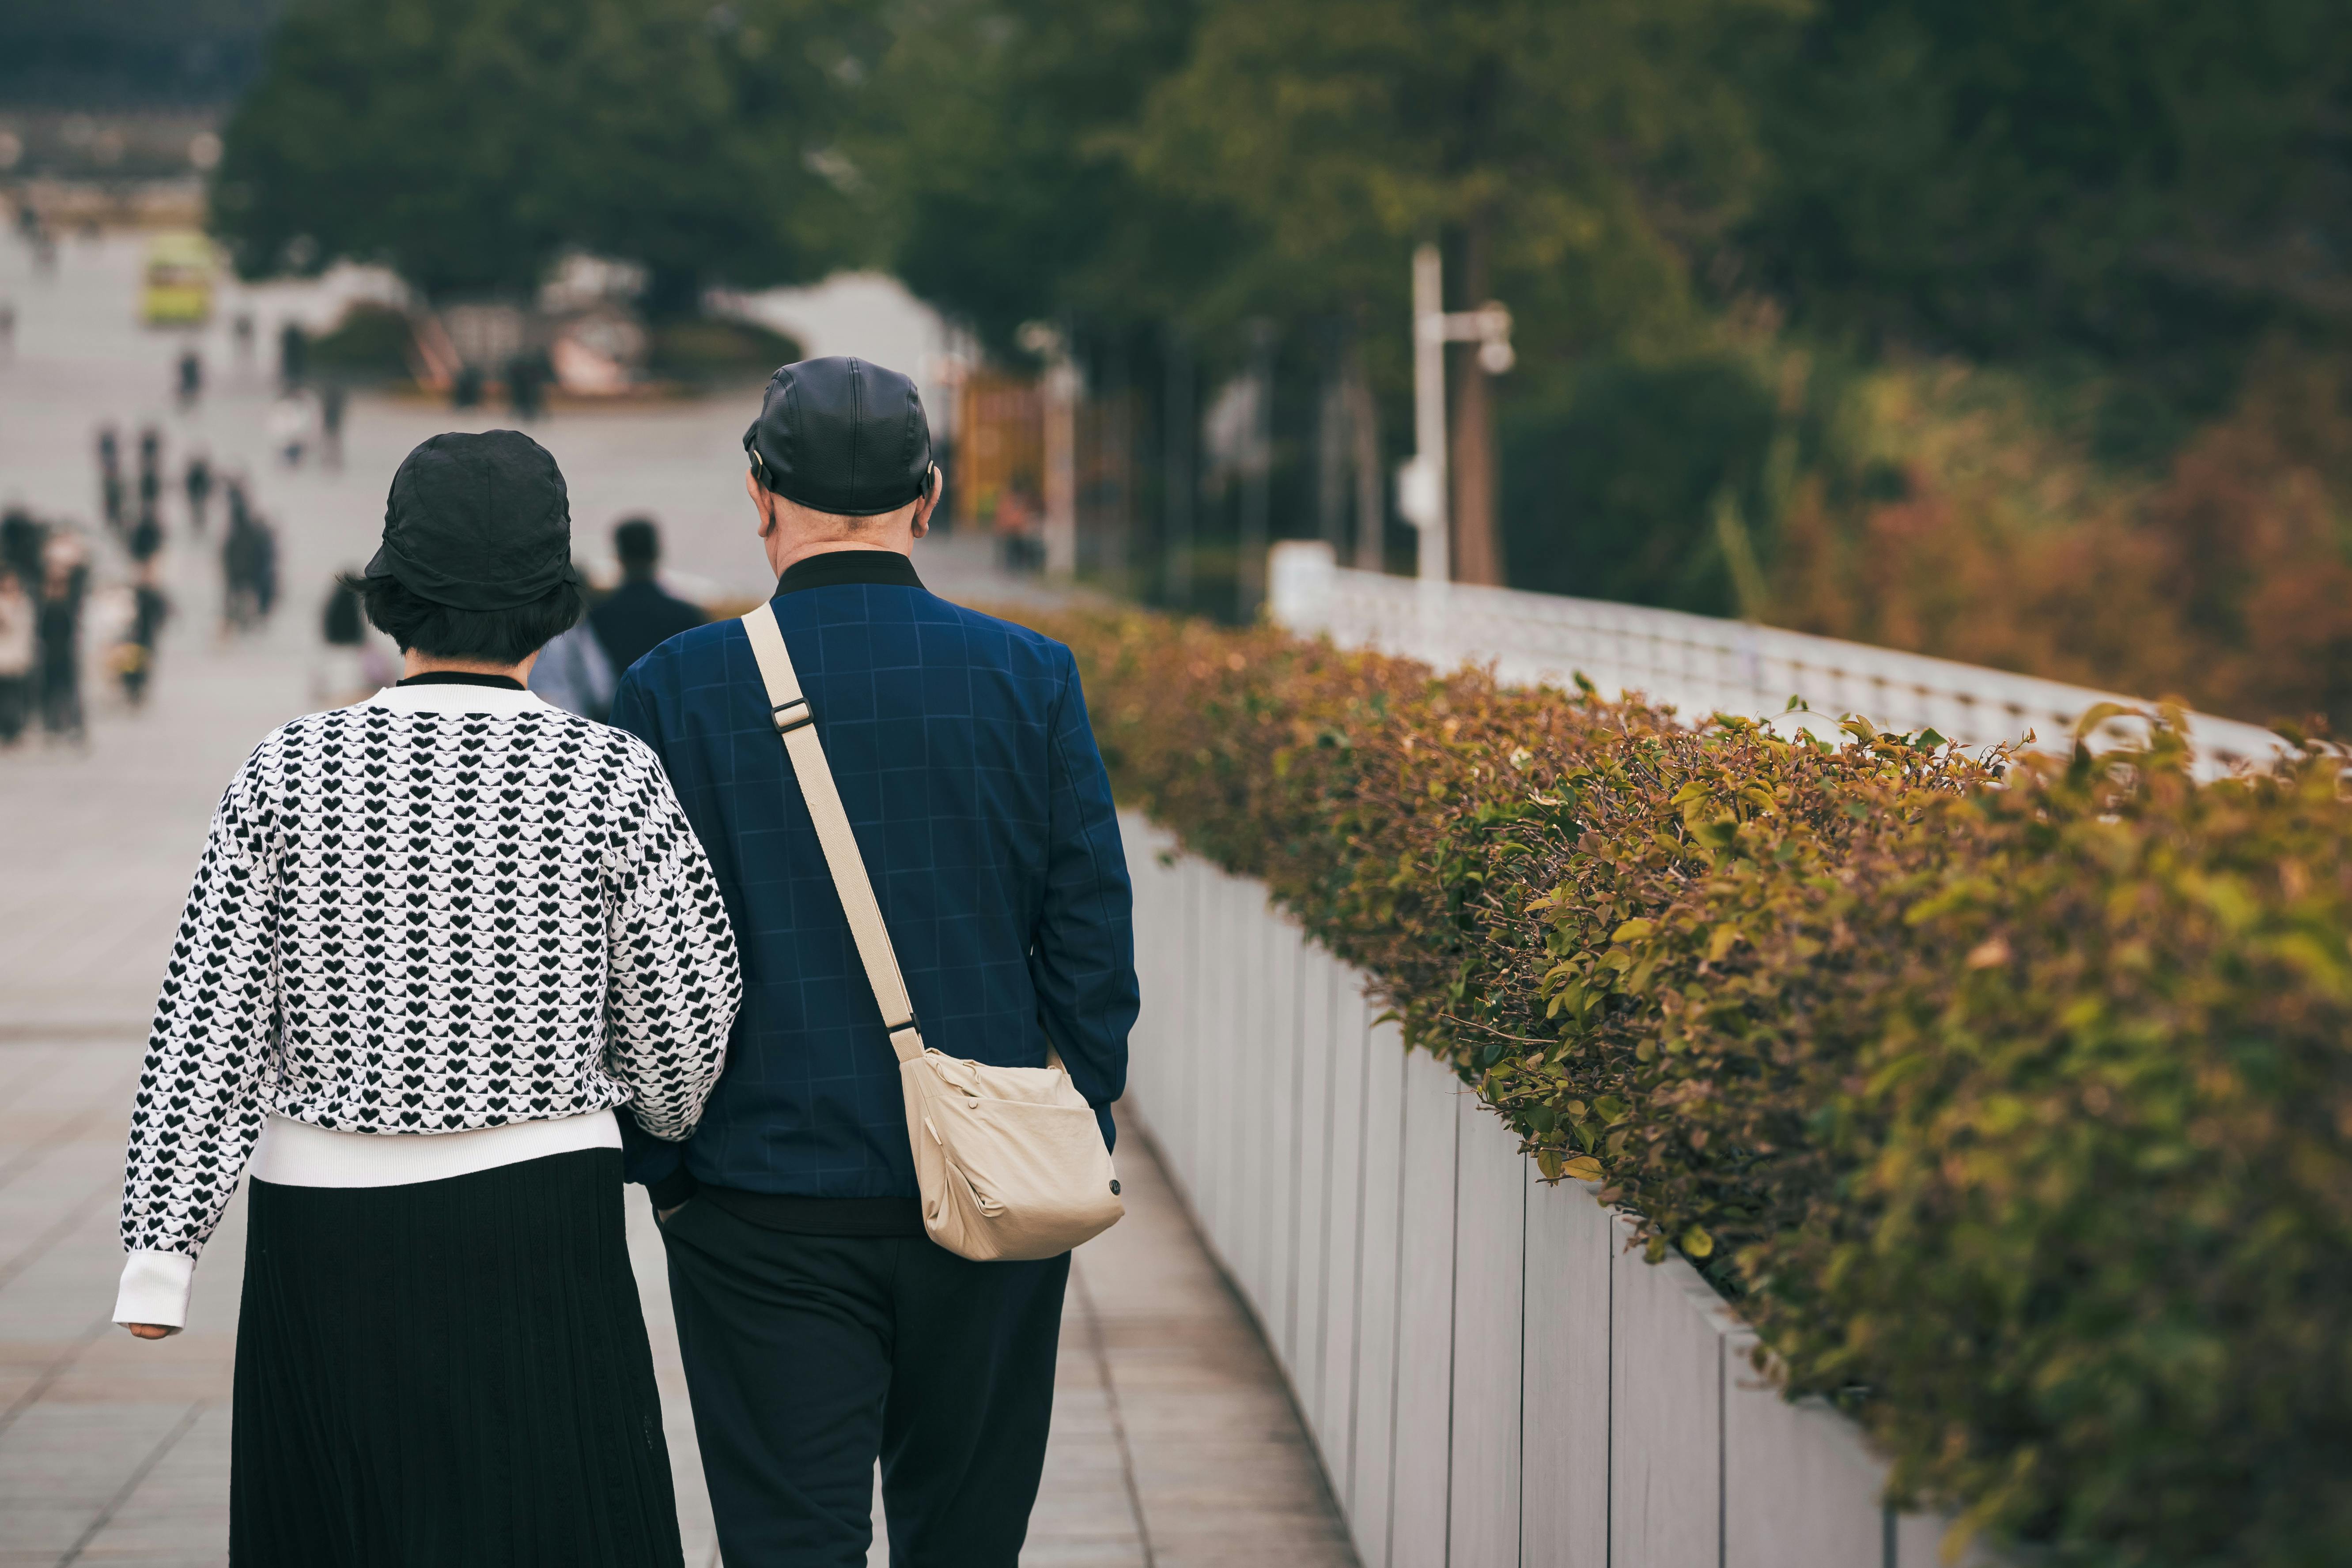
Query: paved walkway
x,y
1174,1441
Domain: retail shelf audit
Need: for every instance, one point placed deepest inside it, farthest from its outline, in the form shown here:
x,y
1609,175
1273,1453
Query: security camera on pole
x,y
1422,481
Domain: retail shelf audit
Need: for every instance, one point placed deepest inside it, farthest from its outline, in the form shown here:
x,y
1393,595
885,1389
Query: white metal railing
x,y
1489,1377
1698,664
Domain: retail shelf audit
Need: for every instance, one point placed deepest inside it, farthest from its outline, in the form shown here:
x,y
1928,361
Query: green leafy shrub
x,y
2011,1099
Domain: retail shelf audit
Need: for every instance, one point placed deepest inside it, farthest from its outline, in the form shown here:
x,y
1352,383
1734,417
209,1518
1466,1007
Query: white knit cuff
x,y
155,1289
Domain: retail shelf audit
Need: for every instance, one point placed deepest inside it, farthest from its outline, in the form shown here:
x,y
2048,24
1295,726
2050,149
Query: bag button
x,y
1114,1189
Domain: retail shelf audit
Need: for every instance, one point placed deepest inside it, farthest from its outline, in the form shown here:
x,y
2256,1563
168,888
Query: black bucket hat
x,y
477,522
841,436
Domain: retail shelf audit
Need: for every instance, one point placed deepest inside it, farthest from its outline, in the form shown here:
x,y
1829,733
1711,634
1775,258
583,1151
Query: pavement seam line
x,y
70,1131
1096,1343
188,1418
49,1375
55,1232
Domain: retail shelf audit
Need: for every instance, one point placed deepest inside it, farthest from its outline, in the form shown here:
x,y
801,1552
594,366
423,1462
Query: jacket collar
x,y
444,698
836,567
461,677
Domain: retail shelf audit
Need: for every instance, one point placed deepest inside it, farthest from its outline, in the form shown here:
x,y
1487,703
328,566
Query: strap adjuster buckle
x,y
791,714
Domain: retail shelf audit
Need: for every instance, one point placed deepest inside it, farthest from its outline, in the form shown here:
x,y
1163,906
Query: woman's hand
x,y
148,1331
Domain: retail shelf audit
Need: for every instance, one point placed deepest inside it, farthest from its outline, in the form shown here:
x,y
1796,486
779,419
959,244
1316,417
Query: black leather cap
x,y
477,522
841,436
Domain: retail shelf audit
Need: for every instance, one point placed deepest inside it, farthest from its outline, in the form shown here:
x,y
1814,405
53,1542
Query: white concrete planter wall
x,y
1490,1378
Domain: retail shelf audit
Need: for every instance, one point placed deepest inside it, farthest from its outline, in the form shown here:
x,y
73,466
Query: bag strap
x,y
790,711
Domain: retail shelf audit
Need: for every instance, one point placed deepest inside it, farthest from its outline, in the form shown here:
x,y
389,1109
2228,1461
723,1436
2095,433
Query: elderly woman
x,y
437,939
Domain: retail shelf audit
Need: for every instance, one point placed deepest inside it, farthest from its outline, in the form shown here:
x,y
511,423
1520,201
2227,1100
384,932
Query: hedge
x,y
2010,1097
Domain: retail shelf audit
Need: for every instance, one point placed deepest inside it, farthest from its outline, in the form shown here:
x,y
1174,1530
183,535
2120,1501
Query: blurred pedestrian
x,y
248,565
151,473
146,538
330,424
64,582
640,614
465,390
192,377
343,624
241,332
290,420
1020,532
22,536
574,673
353,665
134,652
527,378
293,354
198,481
19,636
8,328
111,494
240,567
265,567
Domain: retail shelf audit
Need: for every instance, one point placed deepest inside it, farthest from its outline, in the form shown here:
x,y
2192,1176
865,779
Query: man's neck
x,y
784,558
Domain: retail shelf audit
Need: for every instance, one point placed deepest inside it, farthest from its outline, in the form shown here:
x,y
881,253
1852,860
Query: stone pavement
x,y
1174,1440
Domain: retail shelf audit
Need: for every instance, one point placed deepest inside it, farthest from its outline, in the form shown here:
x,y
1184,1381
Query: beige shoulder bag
x,y
1011,1160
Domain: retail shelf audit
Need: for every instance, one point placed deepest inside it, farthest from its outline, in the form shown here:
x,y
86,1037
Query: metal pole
x,y
1062,386
1257,475
1434,563
1421,485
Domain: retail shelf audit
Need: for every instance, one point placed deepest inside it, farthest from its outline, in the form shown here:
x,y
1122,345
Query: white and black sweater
x,y
417,916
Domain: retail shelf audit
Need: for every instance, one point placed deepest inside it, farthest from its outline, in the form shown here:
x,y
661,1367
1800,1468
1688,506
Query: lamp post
x,y
1422,481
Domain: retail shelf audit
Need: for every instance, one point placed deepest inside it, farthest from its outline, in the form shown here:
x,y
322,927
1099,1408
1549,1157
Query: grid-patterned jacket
x,y
964,757
411,919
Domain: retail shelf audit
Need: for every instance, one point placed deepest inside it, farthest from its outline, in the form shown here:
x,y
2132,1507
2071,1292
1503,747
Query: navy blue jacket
x,y
963,755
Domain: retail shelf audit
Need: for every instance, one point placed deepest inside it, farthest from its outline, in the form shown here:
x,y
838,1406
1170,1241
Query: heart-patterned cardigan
x,y
420,921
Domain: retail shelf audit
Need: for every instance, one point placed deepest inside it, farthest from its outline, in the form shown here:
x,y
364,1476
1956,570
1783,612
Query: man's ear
x,y
762,502
933,483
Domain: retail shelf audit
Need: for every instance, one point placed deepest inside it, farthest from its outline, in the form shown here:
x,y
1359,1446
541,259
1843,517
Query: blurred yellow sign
x,y
176,287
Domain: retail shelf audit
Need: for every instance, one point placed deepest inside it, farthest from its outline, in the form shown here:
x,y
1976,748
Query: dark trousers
x,y
809,1356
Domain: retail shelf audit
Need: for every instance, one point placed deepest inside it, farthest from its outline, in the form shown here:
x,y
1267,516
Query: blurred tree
x,y
1646,449
466,143
2148,186
993,136
1571,154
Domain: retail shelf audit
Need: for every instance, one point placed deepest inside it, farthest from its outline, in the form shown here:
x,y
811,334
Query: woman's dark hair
x,y
494,637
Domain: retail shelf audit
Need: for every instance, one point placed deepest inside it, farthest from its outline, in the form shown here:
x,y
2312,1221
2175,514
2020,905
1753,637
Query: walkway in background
x,y
1174,1442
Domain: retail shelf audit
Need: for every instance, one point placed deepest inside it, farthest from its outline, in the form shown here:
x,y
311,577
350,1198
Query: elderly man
x,y
821,1329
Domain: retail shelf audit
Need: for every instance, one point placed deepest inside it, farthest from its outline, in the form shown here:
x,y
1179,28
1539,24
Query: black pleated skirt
x,y
448,1375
